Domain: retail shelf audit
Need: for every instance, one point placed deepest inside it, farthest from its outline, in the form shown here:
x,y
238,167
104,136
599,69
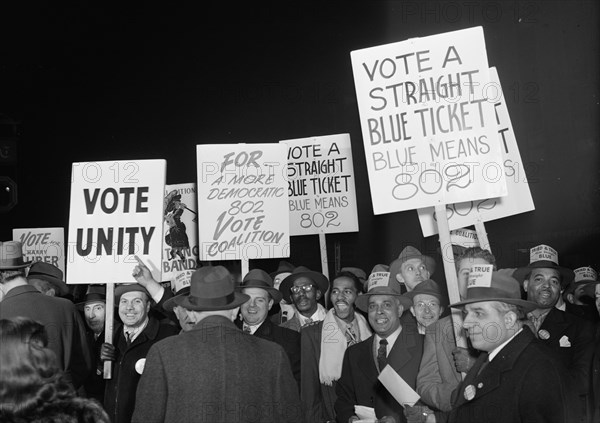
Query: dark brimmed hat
x,y
380,283
488,285
211,288
11,256
94,294
123,288
49,273
303,272
359,273
544,257
428,287
257,278
407,254
284,267
181,287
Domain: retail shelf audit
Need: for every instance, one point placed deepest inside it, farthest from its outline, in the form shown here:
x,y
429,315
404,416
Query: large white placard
x,y
428,127
518,199
321,190
242,201
43,244
116,212
180,231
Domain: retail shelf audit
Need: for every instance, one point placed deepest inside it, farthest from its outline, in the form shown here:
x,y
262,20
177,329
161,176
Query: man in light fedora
x,y
515,378
570,337
48,279
304,288
258,285
65,327
411,268
395,343
129,348
426,306
214,372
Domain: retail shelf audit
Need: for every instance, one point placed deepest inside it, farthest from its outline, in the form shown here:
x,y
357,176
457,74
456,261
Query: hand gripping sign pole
x,y
450,272
108,325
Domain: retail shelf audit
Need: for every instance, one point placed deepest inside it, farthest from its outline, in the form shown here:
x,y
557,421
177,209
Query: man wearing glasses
x,y
304,288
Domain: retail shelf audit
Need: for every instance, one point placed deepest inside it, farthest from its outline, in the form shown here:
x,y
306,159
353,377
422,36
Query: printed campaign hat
x,y
410,253
379,283
94,294
303,272
257,278
590,289
429,287
544,257
211,288
485,284
181,286
11,256
49,273
583,276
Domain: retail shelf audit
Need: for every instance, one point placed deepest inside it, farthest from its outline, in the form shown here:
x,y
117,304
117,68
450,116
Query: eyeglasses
x,y
430,305
305,288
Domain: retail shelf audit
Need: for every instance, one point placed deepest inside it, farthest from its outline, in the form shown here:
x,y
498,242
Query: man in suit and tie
x,y
216,373
515,379
394,343
258,285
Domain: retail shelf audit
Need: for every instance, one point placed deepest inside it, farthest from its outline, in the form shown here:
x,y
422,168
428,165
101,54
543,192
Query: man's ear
x,y
51,292
525,283
571,298
399,277
510,319
270,303
412,311
318,294
441,310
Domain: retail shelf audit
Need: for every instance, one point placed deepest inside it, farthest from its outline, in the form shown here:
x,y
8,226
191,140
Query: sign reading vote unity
x,y
242,201
116,213
322,197
180,230
518,199
43,244
428,126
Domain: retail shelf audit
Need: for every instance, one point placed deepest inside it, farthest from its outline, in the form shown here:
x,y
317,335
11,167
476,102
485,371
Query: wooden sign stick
x,y
482,234
245,267
450,272
324,264
108,324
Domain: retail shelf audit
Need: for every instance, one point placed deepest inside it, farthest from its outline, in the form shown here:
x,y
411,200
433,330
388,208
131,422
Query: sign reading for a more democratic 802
x,y
428,124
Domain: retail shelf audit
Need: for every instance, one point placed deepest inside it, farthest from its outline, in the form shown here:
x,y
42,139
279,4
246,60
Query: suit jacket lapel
x,y
555,324
367,359
401,351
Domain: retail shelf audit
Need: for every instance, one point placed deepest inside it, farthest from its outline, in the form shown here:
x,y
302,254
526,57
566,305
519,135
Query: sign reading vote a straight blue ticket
x,y
428,127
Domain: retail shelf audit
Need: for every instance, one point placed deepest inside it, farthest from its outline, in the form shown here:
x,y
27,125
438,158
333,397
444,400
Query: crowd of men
x,y
523,345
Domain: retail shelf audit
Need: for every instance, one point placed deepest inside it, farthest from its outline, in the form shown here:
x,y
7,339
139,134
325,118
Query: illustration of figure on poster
x,y
176,236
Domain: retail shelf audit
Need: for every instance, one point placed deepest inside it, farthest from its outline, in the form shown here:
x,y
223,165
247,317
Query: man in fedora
x,y
214,372
426,306
324,345
93,307
180,285
515,379
258,285
411,268
65,327
129,349
304,288
395,343
570,337
48,279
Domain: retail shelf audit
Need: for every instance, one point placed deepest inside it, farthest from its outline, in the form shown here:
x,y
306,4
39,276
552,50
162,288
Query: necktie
x,y
382,354
247,330
350,336
128,337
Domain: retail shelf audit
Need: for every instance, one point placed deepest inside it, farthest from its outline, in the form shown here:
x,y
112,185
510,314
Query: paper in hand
x,y
365,414
399,389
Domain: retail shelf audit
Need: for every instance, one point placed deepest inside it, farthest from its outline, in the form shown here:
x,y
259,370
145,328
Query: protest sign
x,y
242,201
518,199
322,197
180,231
43,244
428,127
116,212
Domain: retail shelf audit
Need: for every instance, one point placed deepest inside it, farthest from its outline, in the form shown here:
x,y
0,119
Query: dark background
x,y
100,81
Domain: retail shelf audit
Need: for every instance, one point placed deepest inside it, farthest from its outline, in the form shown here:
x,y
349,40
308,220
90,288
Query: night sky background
x,y
91,81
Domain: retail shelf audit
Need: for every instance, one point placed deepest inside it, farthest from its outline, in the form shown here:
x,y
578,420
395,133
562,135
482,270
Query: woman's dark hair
x,y
29,372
